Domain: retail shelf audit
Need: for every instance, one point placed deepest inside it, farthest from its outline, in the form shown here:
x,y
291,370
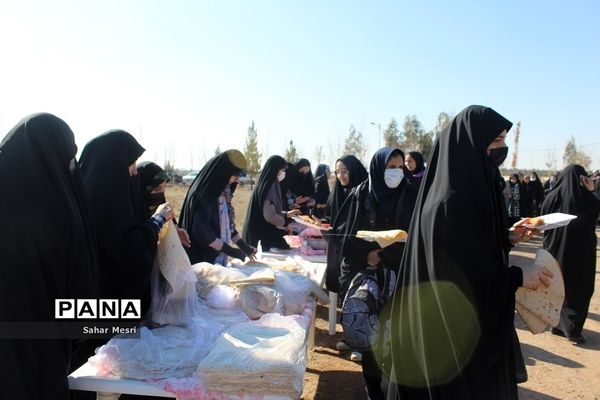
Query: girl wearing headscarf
x,y
385,201
349,173
415,166
574,246
208,215
48,252
535,191
302,186
266,216
516,199
452,329
321,189
127,243
149,191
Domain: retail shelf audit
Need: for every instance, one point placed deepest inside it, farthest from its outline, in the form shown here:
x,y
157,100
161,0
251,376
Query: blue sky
x,y
186,77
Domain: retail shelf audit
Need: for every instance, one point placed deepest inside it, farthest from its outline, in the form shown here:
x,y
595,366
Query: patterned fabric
x,y
225,223
514,208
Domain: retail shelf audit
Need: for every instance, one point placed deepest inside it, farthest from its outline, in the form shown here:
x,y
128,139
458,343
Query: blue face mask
x,y
498,155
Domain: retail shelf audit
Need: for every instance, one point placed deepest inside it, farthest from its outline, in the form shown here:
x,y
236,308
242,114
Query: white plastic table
x,y
111,387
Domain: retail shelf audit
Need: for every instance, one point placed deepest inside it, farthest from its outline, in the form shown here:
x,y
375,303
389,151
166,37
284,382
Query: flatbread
x,y
534,324
544,303
383,238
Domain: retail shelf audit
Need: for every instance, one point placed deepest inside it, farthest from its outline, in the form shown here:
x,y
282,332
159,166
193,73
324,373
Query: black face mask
x,y
498,155
155,199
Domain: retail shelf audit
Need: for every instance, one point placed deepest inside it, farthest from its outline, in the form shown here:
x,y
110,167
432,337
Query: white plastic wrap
x,y
169,351
173,281
258,357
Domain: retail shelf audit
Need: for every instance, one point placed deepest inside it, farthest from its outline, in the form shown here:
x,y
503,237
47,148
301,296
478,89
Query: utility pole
x,y
513,164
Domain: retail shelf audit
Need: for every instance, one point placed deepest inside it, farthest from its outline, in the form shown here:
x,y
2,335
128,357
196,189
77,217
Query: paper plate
x,y
551,221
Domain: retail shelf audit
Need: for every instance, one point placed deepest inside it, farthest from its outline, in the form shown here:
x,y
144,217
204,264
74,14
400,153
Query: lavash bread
x,y
383,238
543,305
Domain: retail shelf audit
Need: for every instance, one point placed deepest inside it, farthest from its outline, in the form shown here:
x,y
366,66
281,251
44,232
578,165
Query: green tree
x,y
427,139
291,154
251,152
355,144
412,130
319,155
426,144
169,167
218,150
391,134
573,155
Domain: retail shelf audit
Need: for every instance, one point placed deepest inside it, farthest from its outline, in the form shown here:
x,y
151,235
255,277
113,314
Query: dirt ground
x,y
557,369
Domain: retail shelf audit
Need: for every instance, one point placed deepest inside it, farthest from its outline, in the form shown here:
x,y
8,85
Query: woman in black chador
x,y
208,215
266,218
48,252
302,186
452,330
574,246
321,190
385,201
127,243
349,173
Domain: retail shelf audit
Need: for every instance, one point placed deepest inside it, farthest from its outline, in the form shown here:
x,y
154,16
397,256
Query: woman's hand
x,y
536,275
519,233
184,237
166,211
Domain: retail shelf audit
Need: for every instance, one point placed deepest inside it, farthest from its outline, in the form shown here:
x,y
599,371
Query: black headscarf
x,y
321,184
574,246
149,176
302,184
454,304
48,250
385,198
373,206
127,246
211,181
256,227
201,200
535,189
356,175
419,161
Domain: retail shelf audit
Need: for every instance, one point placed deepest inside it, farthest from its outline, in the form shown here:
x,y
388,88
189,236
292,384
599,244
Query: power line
x,y
560,148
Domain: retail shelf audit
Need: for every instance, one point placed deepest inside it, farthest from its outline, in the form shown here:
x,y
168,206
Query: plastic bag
x,y
172,281
263,356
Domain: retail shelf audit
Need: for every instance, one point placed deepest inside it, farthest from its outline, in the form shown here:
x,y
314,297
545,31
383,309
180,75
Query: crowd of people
x,y
89,228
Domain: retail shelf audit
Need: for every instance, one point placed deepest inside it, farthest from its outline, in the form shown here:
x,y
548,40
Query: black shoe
x,y
578,339
558,332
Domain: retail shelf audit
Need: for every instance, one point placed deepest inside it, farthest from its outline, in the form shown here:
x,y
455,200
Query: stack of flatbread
x,y
383,238
257,357
540,308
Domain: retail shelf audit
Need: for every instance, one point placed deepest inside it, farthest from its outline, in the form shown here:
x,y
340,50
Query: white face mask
x,y
393,177
280,176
